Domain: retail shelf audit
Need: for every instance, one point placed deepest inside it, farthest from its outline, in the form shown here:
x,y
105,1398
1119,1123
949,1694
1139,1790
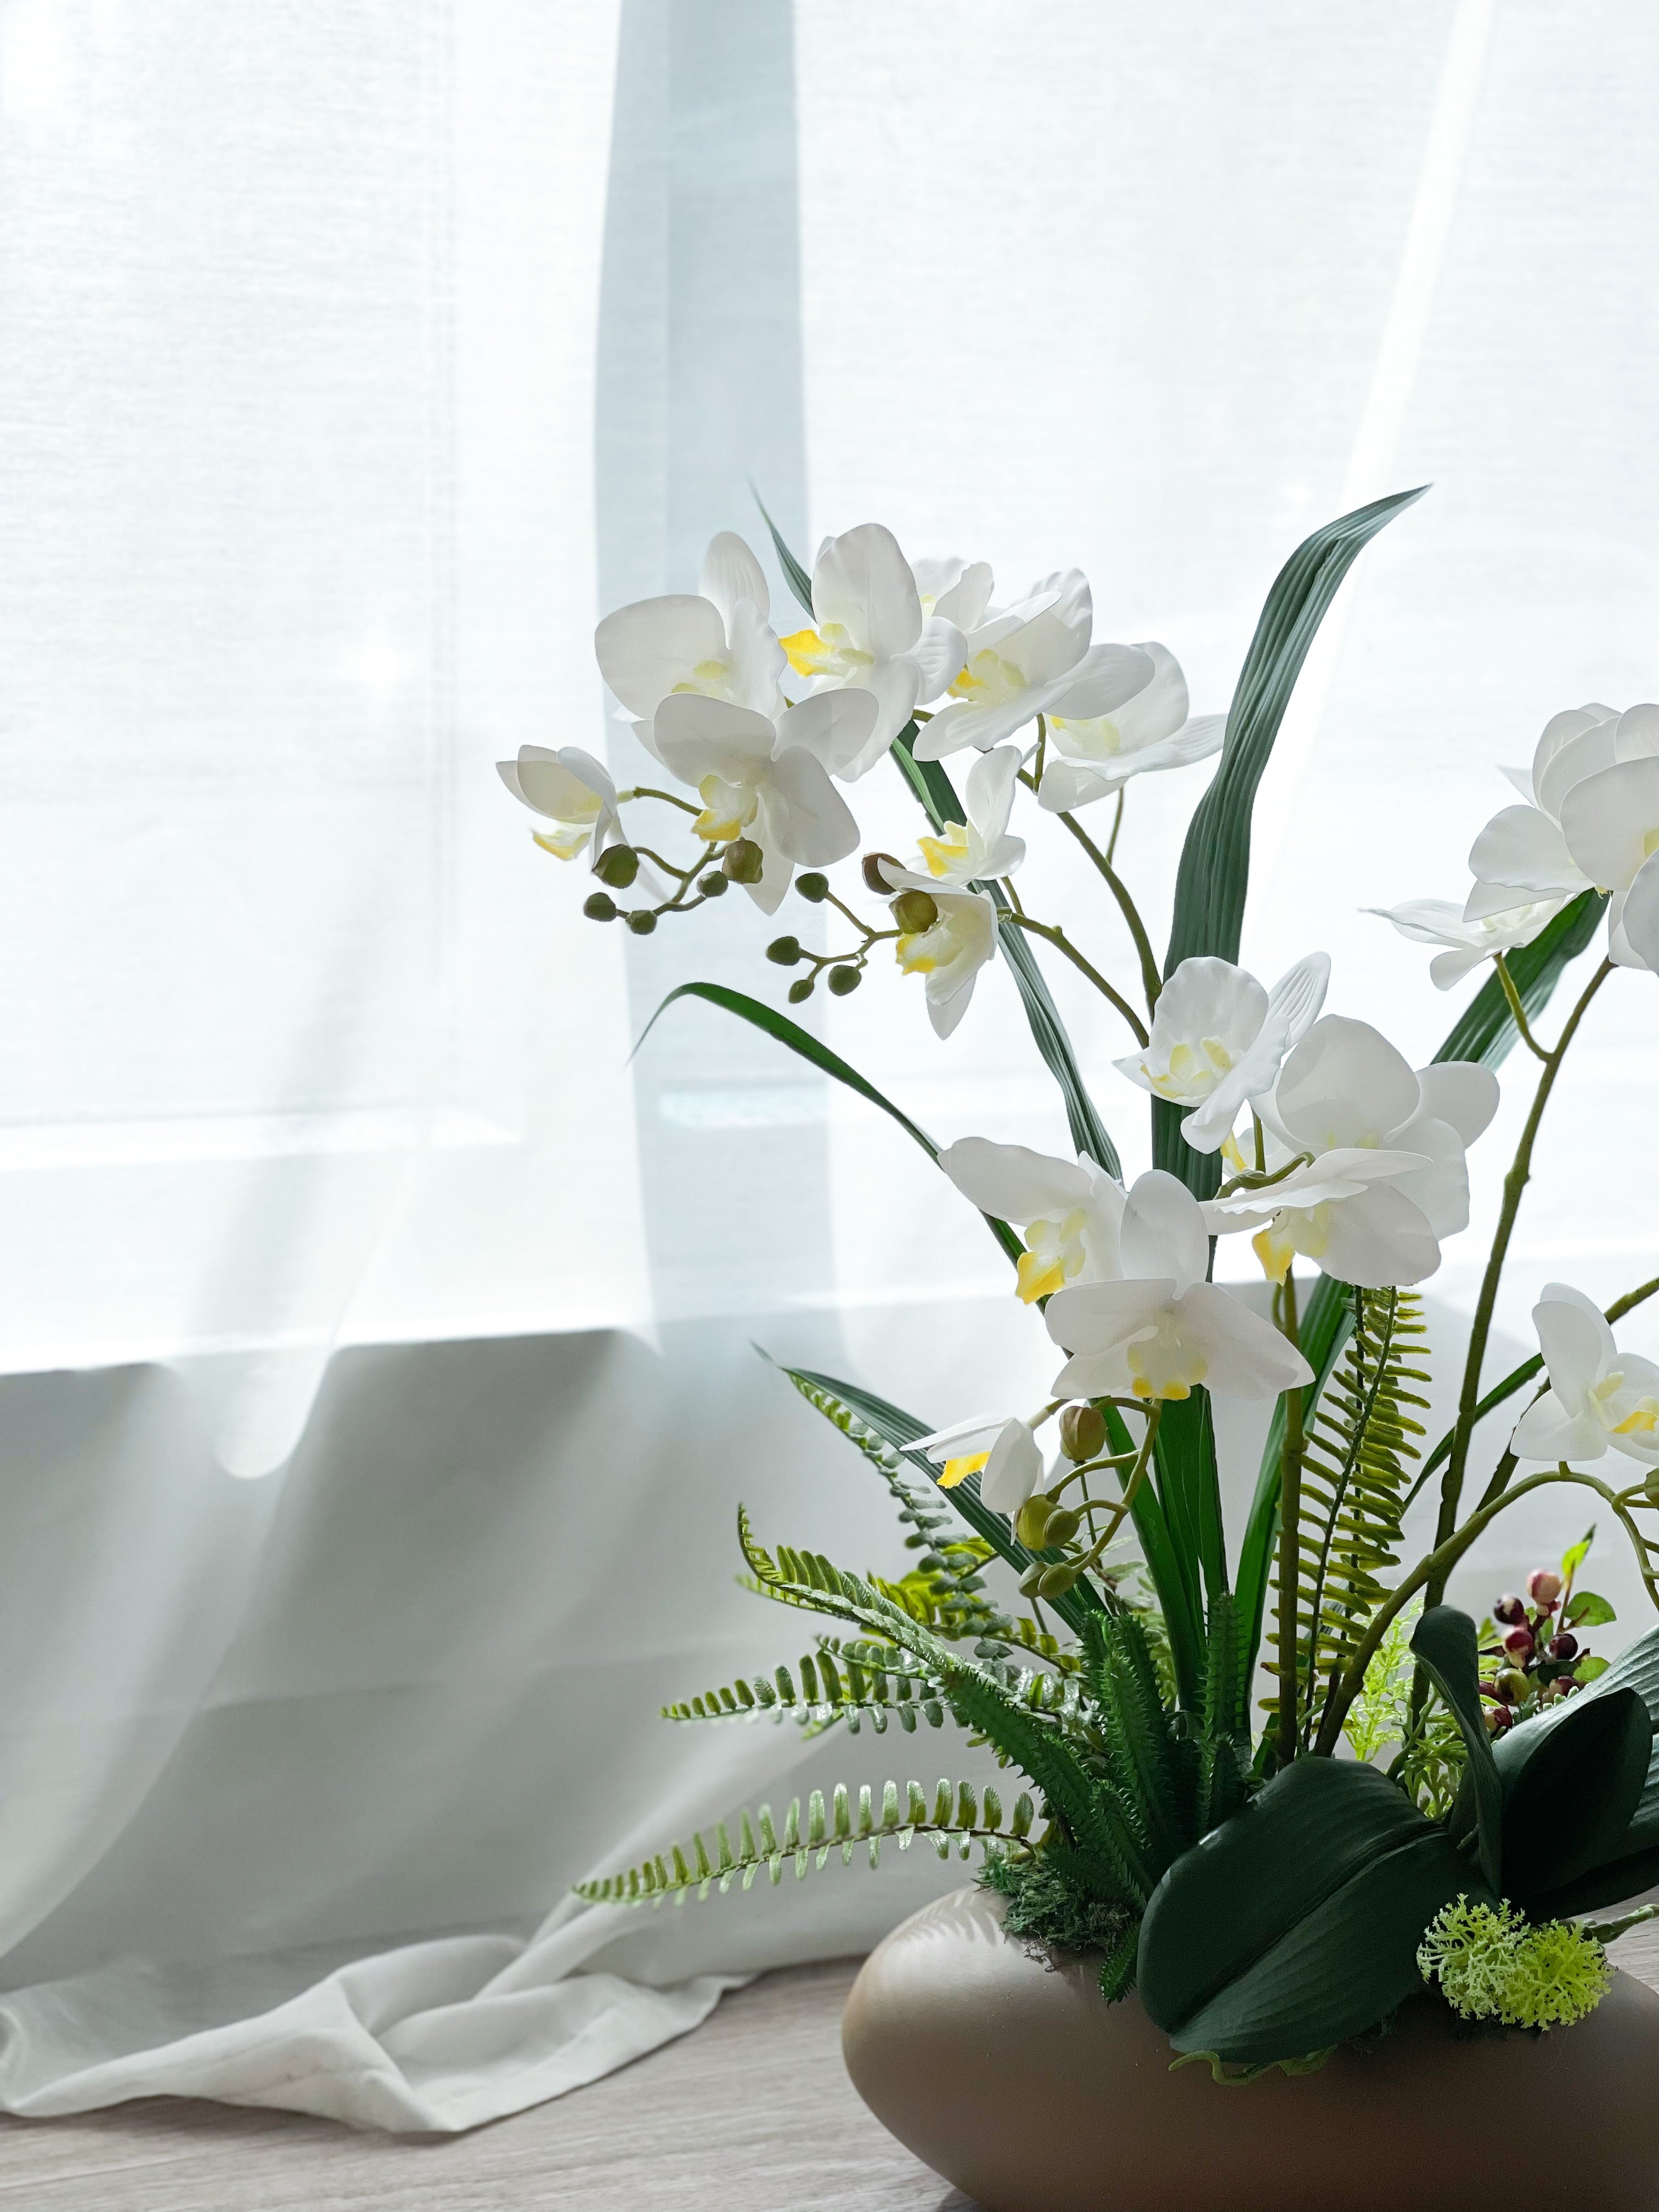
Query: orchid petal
x,y
834,727
644,649
1523,847
1345,1083
1163,1231
863,581
1247,1356
1607,818
1462,1092
695,736
730,573
809,819
1548,1431
1011,1182
1576,1342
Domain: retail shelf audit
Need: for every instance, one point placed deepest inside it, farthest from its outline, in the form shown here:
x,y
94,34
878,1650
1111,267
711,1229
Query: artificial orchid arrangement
x,y
1424,1803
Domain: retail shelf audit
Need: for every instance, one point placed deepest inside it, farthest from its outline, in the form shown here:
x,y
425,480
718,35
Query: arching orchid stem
x,y
1125,1506
1059,939
1290,1531
1517,1010
1515,1183
1436,1569
1151,981
1117,822
668,798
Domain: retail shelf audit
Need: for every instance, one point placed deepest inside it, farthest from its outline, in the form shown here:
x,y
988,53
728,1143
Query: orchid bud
x,y
712,885
1545,1587
599,906
1519,1642
1032,1577
642,923
1564,1646
1511,1611
617,866
1063,1525
1512,1686
914,911
874,879
1032,1520
1056,1581
844,980
801,989
1082,1431
744,860
813,888
785,950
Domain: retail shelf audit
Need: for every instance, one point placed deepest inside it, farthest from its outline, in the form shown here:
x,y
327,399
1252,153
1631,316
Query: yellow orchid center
x,y
727,809
1193,1071
1055,1251
709,679
958,1470
827,651
1643,1422
939,851
1096,736
988,680
1162,1365
1306,1230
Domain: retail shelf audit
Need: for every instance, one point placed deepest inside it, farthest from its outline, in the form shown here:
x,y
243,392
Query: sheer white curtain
x,y
375,1333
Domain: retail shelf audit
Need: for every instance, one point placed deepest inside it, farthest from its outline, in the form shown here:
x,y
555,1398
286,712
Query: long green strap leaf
x,y
801,1041
1215,861
1447,1646
934,787
1190,1490
798,581
1181,1620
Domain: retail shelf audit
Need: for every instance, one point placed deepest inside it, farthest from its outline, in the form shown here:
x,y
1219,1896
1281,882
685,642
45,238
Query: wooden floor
x,y
751,2113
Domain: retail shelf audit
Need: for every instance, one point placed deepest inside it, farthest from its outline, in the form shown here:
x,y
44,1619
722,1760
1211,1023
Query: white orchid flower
x,y
1219,1037
715,645
1003,1452
567,787
1640,918
1523,855
1611,823
980,848
869,633
1070,1213
1092,754
769,782
1388,1178
1165,1329
1599,1398
951,951
1438,922
956,591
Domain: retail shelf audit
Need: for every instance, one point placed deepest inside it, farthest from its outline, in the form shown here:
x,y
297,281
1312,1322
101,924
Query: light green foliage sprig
x,y
1490,1965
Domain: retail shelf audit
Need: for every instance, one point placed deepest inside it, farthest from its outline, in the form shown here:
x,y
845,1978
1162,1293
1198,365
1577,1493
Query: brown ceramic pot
x,y
1020,2086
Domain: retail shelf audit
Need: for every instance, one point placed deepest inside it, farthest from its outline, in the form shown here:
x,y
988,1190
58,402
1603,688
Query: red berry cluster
x,y
1532,1658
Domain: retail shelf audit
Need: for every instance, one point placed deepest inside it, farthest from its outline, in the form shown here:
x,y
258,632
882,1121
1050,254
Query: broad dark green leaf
x,y
1215,861
901,1430
798,581
1615,1883
1297,1923
934,787
1635,1668
801,1041
1327,1325
1448,1649
1568,1804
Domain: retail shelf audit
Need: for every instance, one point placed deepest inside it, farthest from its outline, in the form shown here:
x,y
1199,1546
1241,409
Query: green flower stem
x,y
1609,1931
1151,981
1261,1180
1290,1529
1059,939
1515,1183
1120,1512
1435,1570
1037,758
1523,1028
1117,822
668,798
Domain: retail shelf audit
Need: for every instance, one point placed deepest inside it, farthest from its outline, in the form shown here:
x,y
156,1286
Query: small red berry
x,y
1511,1611
1545,1587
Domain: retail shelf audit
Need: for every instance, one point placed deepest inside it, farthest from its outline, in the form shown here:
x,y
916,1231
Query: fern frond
x,y
1355,1476
956,1817
831,1686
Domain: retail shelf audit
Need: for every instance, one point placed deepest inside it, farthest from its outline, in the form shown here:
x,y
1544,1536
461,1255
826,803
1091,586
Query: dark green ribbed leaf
x,y
1171,1577
1215,861
934,787
1296,1923
798,581
801,1041
1568,1805
1190,1490
1448,1649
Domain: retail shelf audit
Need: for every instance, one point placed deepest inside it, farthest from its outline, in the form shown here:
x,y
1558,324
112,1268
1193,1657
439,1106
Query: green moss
x,y
1048,1913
